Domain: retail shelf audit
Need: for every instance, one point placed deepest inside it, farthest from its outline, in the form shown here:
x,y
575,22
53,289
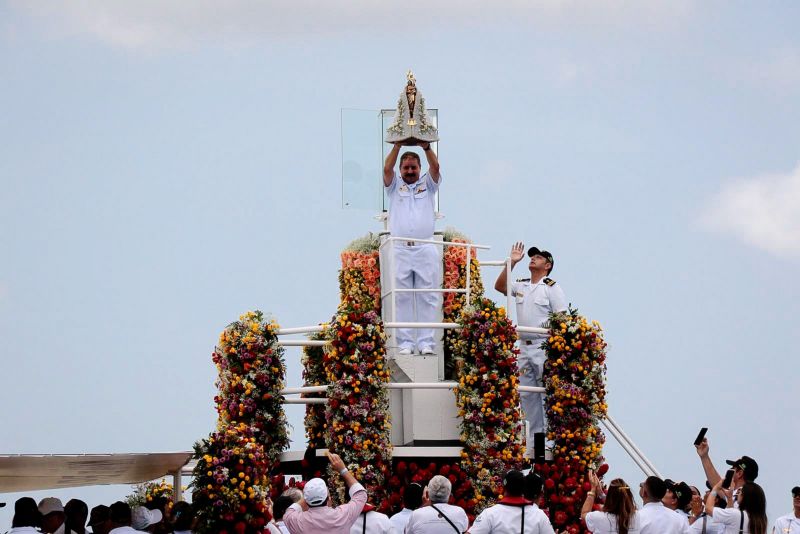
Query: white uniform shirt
x,y
730,518
787,524
426,520
535,302
400,520
412,207
376,523
605,523
712,527
655,518
504,519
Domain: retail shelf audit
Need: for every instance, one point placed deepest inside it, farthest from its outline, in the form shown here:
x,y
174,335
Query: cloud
x,y
761,211
180,23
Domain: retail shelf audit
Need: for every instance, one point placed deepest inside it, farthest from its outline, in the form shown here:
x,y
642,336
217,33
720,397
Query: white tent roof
x,y
30,472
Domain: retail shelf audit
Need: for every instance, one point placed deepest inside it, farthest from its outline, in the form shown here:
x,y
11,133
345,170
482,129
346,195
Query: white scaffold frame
x,y
613,428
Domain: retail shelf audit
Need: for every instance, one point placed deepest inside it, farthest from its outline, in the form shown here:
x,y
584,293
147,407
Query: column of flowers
x,y
455,277
357,413
357,424
574,379
231,479
488,399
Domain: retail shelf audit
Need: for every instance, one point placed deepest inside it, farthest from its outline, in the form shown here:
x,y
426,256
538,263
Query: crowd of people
x,y
50,516
733,504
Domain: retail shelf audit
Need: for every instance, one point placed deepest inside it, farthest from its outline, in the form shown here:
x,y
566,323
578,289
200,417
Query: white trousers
x,y
417,267
531,366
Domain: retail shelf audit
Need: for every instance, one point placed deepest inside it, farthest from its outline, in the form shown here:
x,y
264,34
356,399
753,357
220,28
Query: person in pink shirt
x,y
314,514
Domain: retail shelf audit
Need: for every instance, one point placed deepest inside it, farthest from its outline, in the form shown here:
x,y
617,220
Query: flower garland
x,y
314,375
455,277
487,399
231,478
357,413
360,276
574,380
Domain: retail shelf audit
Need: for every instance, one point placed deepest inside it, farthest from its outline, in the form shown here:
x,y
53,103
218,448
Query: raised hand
x,y
702,449
517,251
336,461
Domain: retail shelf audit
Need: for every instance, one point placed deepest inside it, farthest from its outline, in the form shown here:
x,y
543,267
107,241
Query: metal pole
x,y
469,270
645,469
633,445
303,343
301,330
508,287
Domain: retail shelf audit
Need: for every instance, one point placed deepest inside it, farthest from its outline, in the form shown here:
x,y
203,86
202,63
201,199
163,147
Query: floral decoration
x,y
357,413
151,492
421,470
360,276
488,399
574,380
231,478
455,277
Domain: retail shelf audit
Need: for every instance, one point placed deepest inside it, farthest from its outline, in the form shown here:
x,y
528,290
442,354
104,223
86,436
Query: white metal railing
x,y
393,290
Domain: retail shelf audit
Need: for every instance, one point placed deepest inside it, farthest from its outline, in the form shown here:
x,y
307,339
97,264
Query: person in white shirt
x,y
745,469
26,517
436,516
536,297
412,499
678,498
513,513
749,517
699,521
412,205
121,518
654,517
619,511
790,523
372,522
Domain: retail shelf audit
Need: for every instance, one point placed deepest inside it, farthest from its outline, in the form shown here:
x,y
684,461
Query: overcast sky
x,y
166,166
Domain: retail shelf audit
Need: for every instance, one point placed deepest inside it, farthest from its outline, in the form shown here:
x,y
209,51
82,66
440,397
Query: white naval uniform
x,y
372,522
731,518
605,523
507,519
787,524
655,518
712,527
535,302
416,265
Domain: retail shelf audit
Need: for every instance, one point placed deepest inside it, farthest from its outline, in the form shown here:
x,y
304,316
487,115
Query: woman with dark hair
x,y
750,517
619,511
183,518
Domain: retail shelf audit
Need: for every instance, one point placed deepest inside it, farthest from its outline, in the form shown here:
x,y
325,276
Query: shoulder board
x,y
523,279
549,281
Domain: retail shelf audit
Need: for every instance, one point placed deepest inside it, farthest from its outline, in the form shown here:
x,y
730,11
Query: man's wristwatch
x,y
342,471
426,149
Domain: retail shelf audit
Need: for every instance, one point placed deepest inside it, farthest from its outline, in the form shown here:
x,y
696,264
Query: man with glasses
x,y
536,298
790,523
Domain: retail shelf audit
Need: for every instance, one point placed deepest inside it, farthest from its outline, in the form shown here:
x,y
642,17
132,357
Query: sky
x,y
166,166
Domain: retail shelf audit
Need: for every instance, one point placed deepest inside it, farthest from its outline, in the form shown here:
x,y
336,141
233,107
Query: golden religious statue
x,y
411,125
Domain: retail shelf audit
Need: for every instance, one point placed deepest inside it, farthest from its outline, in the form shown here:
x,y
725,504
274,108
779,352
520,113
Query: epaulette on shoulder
x,y
549,281
523,279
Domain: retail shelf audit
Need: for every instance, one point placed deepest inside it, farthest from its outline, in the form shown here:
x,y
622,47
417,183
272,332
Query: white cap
x,y
315,492
141,517
48,505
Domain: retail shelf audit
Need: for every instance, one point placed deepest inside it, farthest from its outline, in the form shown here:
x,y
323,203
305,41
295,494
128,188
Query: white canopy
x,y
30,472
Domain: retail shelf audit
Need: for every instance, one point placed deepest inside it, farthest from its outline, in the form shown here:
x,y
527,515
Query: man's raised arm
x,y
516,255
712,475
388,166
433,163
